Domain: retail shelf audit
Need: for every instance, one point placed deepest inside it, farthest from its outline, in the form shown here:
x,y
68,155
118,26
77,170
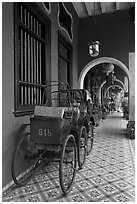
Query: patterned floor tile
x,y
12,195
83,185
106,200
78,177
54,174
92,165
41,177
111,168
122,184
52,194
131,180
100,171
78,198
109,189
131,192
131,170
29,189
75,189
108,174
88,174
8,191
33,198
94,194
122,165
123,173
102,163
95,159
45,185
98,180
122,198
111,177
113,161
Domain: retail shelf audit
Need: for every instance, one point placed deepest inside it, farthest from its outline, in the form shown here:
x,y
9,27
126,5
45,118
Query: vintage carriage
x,y
60,131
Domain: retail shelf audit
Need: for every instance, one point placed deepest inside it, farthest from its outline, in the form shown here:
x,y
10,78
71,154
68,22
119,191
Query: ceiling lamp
x,y
108,68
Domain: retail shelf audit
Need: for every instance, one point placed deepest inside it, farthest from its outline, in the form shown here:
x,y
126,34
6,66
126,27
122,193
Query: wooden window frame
x,y
66,44
29,109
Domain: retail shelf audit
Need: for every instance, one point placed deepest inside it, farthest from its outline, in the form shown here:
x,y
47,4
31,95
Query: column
x,y
132,87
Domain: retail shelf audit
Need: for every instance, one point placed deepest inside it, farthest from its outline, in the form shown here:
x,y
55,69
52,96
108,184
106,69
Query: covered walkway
x,y
108,174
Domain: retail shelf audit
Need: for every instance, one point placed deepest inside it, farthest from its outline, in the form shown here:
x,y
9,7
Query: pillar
x,y
126,83
132,87
99,96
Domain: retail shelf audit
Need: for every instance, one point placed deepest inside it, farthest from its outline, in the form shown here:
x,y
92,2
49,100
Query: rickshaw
x,y
60,131
83,100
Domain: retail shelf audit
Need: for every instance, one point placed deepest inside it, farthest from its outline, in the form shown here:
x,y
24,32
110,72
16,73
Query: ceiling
x,y
86,9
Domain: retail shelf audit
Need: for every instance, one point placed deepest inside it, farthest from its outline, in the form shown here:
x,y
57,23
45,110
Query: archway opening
x,y
98,61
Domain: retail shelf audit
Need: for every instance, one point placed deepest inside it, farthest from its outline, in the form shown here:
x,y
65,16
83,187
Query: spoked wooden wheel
x,y
82,146
90,137
67,168
24,163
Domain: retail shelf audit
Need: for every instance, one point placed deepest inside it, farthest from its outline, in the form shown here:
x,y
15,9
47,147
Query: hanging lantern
x,y
94,49
108,68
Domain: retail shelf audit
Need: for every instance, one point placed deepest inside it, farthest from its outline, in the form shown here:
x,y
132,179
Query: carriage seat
x,y
49,111
55,111
73,113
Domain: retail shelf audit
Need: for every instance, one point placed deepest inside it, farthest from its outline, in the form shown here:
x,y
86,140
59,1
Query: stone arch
x,y
101,60
117,80
103,83
112,86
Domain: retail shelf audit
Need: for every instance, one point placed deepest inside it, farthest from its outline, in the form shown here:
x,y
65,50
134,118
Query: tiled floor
x,y
108,175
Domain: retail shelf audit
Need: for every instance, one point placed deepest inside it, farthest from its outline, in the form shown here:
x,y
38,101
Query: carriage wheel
x,y
90,138
82,147
23,162
67,168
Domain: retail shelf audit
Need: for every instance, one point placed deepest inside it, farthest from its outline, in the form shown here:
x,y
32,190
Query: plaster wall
x,y
116,35
10,123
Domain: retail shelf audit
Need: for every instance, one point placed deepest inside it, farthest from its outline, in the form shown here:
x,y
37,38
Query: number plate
x,y
45,132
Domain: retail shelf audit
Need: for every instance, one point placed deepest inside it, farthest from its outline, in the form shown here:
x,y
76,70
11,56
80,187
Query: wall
x,y
10,123
116,34
54,40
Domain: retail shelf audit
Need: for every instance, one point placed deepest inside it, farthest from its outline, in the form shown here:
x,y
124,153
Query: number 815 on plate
x,y
45,132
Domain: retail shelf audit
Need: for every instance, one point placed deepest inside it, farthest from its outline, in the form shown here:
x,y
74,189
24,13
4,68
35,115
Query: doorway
x,y
95,62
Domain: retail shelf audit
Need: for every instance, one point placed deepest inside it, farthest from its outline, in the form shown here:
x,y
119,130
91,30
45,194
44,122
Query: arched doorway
x,y
101,60
103,83
114,61
111,87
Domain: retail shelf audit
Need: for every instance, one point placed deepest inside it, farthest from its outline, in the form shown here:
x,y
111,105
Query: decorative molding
x,y
65,20
47,6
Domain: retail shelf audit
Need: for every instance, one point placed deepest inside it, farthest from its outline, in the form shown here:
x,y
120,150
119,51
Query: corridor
x,y
108,174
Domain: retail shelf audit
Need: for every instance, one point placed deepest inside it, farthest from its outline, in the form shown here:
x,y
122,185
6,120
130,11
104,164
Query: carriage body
x,y
57,118
59,131
52,127
47,130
